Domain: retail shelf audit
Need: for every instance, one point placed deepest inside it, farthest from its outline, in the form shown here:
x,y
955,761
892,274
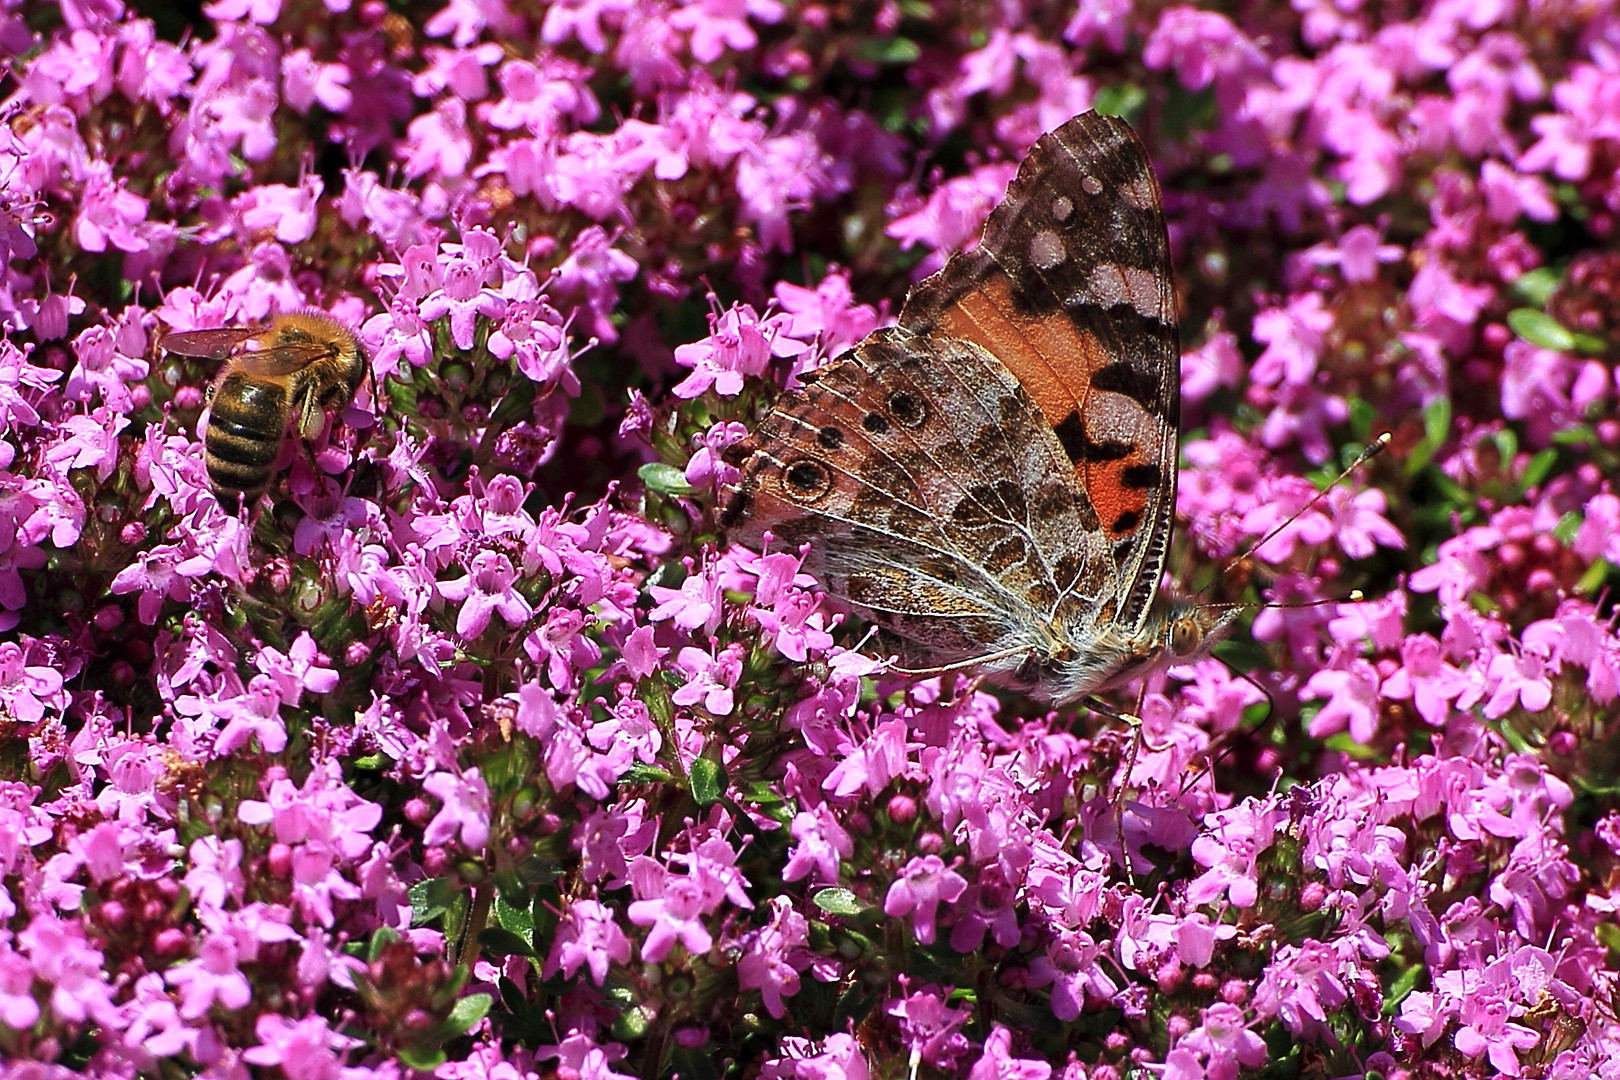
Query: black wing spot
x,y
1052,501
808,480
1133,382
1125,522
1141,476
908,410
830,438
875,424
1071,434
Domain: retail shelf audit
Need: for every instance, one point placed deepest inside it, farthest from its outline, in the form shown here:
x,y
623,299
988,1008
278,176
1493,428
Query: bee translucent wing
x,y
283,359
216,344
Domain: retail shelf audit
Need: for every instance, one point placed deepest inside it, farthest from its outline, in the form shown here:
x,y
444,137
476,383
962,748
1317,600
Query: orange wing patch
x,y
1080,389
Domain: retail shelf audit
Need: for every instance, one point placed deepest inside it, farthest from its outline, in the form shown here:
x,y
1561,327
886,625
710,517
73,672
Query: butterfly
x,y
993,479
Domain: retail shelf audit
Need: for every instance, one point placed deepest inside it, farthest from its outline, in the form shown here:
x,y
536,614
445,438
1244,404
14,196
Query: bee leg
x,y
311,417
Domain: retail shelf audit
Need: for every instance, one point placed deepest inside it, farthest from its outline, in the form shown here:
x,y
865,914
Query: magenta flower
x,y
1425,679
931,1028
297,671
717,25
1352,704
773,955
306,1049
27,690
588,937
212,980
1518,680
711,680
821,843
739,343
924,885
1230,849
838,1057
487,589
465,813
675,918
1225,1042
579,1055
998,1063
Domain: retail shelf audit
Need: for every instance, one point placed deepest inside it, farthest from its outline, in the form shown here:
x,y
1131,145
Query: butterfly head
x,y
1177,631
1191,630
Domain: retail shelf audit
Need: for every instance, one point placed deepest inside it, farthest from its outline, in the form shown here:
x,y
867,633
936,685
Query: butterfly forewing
x,y
1071,288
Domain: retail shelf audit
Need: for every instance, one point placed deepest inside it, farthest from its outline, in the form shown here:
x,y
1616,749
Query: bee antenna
x,y
1368,452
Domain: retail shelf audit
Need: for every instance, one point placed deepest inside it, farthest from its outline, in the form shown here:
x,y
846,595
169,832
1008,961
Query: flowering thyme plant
x,y
470,751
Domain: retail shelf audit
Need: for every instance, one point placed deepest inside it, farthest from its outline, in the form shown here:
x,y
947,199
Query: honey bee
x,y
299,366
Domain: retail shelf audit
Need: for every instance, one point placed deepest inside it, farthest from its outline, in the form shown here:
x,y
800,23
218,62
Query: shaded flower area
x,y
471,750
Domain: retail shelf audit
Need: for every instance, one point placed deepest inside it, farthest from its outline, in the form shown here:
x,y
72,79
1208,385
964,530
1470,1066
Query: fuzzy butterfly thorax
x,y
993,479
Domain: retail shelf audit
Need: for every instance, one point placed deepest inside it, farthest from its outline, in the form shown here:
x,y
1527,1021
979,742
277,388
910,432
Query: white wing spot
x,y
1046,249
1062,208
1091,185
1107,285
1114,284
1141,193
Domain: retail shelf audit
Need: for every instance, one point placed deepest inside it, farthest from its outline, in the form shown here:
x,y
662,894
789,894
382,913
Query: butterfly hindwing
x,y
1071,289
938,501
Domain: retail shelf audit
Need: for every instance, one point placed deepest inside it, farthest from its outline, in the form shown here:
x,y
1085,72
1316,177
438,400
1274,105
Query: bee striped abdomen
x,y
245,428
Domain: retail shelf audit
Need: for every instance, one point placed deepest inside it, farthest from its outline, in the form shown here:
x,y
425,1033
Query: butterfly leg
x,y
1237,735
1134,722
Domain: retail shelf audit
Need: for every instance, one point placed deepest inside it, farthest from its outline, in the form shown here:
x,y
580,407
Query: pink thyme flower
x,y
306,1049
998,1062
923,885
587,936
488,589
465,810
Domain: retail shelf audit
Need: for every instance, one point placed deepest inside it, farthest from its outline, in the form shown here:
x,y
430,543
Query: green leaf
x,y
1566,529
1593,579
837,902
1405,983
1363,415
467,1012
1118,100
1539,328
499,942
1536,287
1436,430
513,918
708,781
664,479
1590,345
1581,435
430,899
422,1058
893,51
1536,472
383,937
1346,744
516,405
642,773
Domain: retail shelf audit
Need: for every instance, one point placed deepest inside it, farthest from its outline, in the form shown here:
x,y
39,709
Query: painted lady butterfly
x,y
994,478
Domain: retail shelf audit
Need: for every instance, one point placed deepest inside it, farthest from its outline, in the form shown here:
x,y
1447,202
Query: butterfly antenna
x,y
1370,450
